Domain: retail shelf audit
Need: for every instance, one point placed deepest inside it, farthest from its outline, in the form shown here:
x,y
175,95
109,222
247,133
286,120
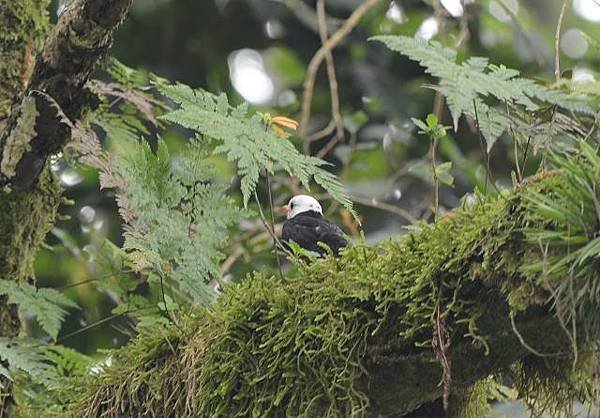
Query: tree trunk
x,y
42,81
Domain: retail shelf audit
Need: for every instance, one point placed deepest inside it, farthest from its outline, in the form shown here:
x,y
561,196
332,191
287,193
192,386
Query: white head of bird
x,y
302,203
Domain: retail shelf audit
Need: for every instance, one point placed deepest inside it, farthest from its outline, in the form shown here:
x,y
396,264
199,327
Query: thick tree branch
x,y
352,336
81,37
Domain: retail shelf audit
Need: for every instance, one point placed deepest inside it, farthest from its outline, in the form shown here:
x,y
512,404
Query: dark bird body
x,y
309,228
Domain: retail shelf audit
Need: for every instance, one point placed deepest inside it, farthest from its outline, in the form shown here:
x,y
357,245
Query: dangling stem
x,y
273,224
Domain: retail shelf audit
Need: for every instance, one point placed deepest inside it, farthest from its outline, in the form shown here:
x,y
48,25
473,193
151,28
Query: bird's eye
x,y
292,205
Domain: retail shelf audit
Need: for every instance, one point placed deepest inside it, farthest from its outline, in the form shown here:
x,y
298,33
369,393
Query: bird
x,y
306,226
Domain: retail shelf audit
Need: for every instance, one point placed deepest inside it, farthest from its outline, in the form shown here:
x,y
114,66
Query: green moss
x,y
25,219
23,26
352,336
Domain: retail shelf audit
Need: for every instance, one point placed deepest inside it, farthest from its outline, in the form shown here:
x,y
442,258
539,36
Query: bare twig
x,y
526,154
386,207
273,223
322,133
486,155
524,343
436,182
100,322
271,232
240,249
441,344
333,84
561,17
307,16
318,58
164,300
515,143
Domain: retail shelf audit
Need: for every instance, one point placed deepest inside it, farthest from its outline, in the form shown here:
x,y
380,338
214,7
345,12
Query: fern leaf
x,y
178,217
46,305
28,356
245,140
467,83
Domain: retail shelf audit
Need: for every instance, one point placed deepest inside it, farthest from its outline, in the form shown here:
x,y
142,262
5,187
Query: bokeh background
x,y
257,51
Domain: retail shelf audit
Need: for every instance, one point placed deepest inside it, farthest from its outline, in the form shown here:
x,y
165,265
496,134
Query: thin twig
x,y
164,300
436,182
515,143
441,344
486,155
100,322
329,146
330,65
267,227
93,279
307,16
524,343
320,55
386,207
240,250
322,133
561,17
526,154
273,223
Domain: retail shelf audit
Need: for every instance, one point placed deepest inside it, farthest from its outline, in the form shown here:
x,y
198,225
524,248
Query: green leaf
x,y
443,173
246,141
176,216
45,304
26,355
466,84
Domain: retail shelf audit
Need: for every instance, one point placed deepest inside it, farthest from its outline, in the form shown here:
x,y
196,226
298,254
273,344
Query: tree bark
x,y
42,80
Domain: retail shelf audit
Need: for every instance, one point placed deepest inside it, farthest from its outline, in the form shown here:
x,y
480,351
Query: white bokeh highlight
x,y
588,9
573,43
249,77
454,7
428,29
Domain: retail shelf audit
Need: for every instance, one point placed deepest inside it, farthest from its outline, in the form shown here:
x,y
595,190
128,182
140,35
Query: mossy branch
x,y
81,37
352,336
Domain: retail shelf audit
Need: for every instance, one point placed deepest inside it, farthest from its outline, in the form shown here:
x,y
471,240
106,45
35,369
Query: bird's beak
x,y
284,209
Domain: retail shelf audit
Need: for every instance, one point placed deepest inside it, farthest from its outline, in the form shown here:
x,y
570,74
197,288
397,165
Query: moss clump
x,y
352,336
25,219
23,26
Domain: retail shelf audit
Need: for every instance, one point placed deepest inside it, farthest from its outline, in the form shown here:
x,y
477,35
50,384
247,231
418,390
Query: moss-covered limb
x,y
352,336
81,37
23,26
25,219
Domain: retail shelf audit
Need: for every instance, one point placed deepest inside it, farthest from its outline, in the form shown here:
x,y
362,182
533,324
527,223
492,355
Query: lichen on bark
x,y
18,142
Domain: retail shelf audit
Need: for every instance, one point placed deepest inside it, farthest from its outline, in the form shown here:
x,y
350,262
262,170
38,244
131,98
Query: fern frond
x,y
246,141
46,305
466,84
26,355
178,218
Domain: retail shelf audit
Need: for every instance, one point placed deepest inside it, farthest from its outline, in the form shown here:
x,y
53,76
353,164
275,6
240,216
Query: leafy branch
x,y
242,137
